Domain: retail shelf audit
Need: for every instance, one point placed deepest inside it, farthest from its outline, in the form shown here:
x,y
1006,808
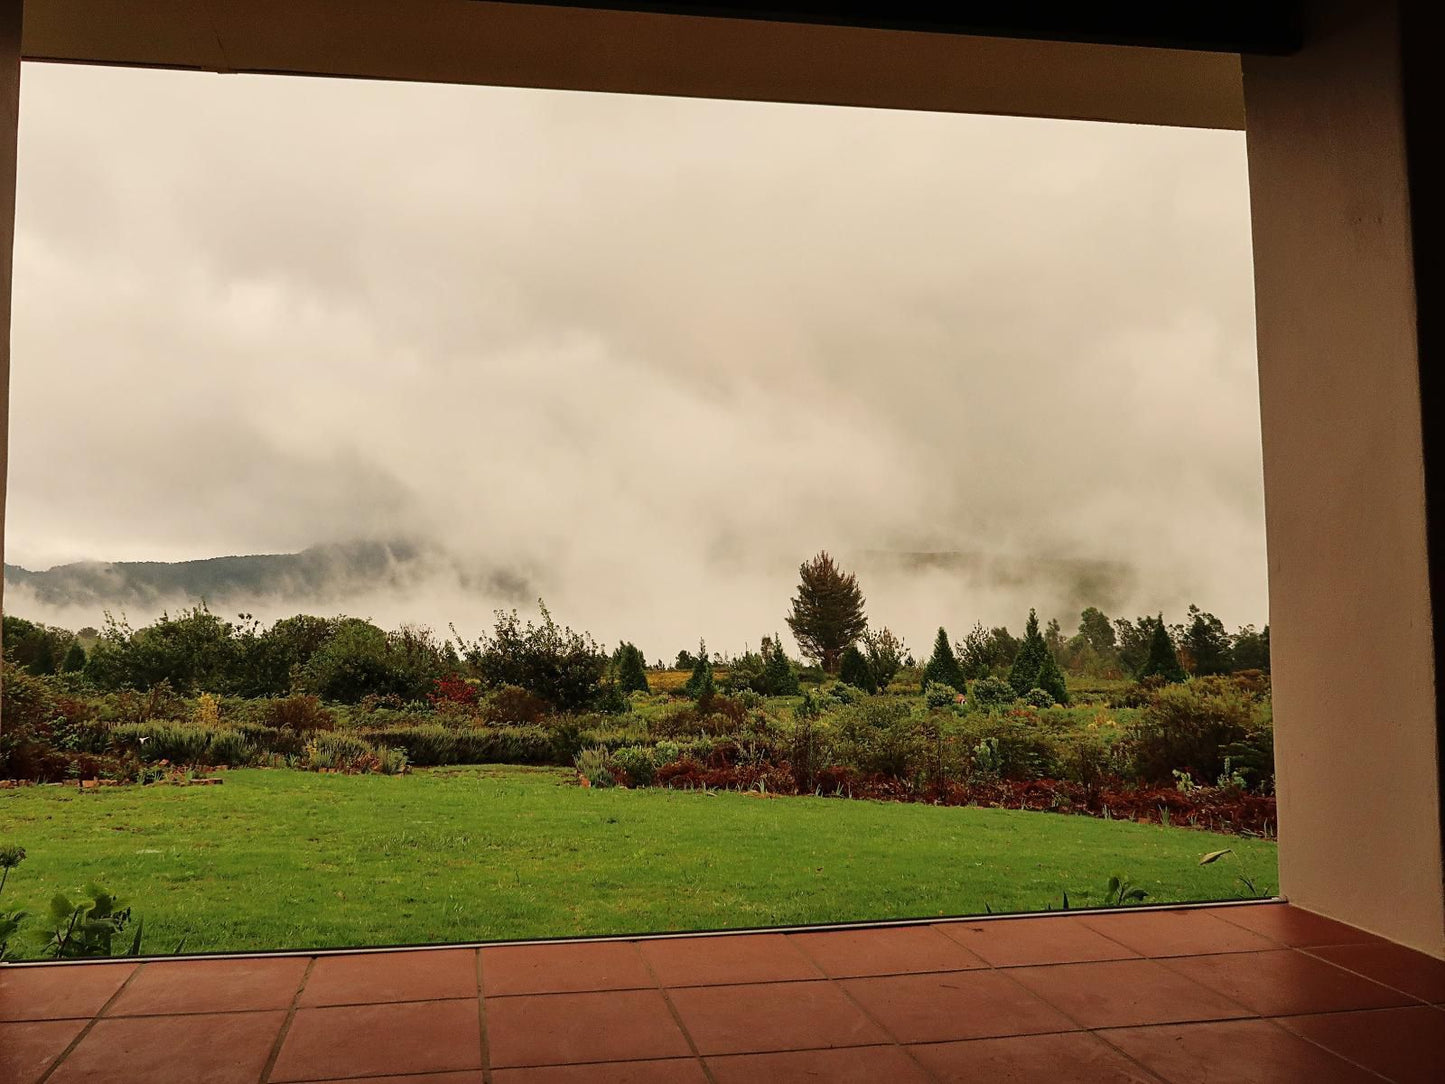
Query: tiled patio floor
x,y
1255,993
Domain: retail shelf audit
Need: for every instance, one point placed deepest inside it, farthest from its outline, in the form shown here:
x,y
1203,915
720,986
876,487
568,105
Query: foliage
x,y
1039,698
853,669
10,857
937,695
1162,660
637,763
592,767
1051,680
39,649
561,667
1207,644
985,650
991,693
453,692
1030,661
512,705
1249,650
886,653
827,612
700,686
341,752
88,927
1190,726
942,667
431,744
360,659
629,669
195,651
780,677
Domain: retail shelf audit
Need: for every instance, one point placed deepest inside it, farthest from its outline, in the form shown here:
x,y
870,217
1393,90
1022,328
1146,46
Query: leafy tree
x,y
629,669
827,611
701,686
360,659
942,667
1133,640
39,649
74,661
555,664
1054,638
1207,643
685,660
1250,650
195,651
1163,660
1029,663
779,676
885,655
854,670
1095,628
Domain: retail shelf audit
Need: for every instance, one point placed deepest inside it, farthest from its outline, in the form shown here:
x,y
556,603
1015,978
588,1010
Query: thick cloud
x,y
649,353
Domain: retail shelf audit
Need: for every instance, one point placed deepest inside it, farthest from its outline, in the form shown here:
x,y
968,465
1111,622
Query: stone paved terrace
x,y
1262,992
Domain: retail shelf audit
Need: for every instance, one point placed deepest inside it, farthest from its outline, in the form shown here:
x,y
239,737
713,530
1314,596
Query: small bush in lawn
x,y
302,713
937,695
636,762
1039,698
229,747
991,693
592,766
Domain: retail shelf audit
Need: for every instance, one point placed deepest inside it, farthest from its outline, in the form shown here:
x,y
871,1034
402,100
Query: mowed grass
x,y
287,859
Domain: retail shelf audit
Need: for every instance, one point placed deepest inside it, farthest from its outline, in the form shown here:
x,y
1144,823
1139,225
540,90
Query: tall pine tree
x,y
827,611
943,667
1029,662
1163,660
700,685
779,677
629,669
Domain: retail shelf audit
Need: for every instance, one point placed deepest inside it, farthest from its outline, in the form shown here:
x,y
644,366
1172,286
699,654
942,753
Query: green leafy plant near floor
x,y
88,927
10,857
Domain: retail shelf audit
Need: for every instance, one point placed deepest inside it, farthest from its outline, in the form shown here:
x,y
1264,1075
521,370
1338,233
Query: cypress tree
x,y
1029,662
1163,660
779,677
629,669
943,667
74,660
853,669
700,685
1051,680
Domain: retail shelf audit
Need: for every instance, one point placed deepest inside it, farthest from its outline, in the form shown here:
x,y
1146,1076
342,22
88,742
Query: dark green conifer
x,y
1163,660
943,667
853,669
1029,662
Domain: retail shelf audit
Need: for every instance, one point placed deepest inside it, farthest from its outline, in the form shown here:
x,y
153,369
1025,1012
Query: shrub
x,y
562,667
512,704
991,693
1189,727
1020,749
700,685
1038,698
361,659
230,747
937,695
879,736
346,753
592,766
302,713
431,744
637,763
842,693
853,669
629,669
180,743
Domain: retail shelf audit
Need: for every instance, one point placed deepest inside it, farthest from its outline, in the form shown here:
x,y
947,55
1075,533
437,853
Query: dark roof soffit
x,y
1228,26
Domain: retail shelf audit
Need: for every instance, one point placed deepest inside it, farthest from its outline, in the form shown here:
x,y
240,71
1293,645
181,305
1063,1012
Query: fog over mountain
x,y
638,356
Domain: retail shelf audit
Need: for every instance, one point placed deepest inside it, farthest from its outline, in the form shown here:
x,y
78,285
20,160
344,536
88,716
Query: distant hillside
x,y
317,574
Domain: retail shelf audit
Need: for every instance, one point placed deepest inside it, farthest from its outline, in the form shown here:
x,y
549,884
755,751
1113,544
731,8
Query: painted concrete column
x,y
1352,628
10,20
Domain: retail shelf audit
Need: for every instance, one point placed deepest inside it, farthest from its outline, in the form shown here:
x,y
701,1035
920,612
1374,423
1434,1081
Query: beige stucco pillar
x,y
1357,738
10,12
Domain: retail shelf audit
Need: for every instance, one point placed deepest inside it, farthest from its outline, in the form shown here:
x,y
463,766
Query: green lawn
x,y
279,858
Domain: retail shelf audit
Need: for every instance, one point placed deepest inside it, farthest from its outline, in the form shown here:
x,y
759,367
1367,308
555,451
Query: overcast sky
x,y
649,353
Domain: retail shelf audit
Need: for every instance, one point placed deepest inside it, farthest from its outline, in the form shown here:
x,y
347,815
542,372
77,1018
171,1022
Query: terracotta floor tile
x,y
186,986
671,1071
1394,965
707,961
560,1029
469,1076
1406,1045
1125,993
1284,982
772,1016
558,969
894,950
955,1005
1176,933
225,1048
855,1065
29,1047
59,992
1233,1052
1295,927
371,978
1019,942
377,1040
1077,1057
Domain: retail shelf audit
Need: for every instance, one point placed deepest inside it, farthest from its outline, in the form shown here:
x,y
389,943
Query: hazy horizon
x,y
646,355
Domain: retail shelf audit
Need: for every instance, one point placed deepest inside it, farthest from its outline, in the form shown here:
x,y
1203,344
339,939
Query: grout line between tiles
x,y
286,1024
482,1023
87,1029
676,1017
